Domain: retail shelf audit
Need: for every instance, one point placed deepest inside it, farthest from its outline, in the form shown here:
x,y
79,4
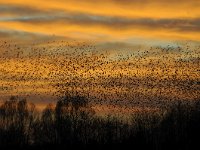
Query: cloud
x,y
115,23
17,35
143,2
149,1
112,18
19,10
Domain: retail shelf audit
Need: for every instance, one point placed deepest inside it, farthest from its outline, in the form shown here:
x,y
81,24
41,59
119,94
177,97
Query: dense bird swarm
x,y
140,79
153,94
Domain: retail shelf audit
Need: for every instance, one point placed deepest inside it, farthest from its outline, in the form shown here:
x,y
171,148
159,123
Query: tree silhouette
x,y
72,122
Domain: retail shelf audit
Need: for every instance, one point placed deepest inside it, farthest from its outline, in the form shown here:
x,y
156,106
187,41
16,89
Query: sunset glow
x,y
42,45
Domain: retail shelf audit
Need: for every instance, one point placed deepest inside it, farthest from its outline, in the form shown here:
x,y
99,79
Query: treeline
x,y
73,123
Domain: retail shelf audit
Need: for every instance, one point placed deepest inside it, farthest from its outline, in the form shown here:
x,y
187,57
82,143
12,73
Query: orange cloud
x,y
110,19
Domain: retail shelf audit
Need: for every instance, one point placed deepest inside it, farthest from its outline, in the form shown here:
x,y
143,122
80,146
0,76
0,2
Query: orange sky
x,y
113,27
103,20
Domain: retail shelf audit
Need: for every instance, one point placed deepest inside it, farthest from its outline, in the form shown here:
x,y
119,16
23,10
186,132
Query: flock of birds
x,y
150,78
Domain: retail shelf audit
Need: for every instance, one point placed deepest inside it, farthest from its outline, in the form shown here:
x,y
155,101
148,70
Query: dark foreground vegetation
x,y
73,123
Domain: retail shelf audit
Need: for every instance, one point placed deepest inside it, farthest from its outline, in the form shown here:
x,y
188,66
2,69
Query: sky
x,y
130,33
155,21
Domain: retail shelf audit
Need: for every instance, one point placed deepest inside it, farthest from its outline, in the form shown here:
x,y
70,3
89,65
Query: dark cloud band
x,y
37,16
19,10
120,23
